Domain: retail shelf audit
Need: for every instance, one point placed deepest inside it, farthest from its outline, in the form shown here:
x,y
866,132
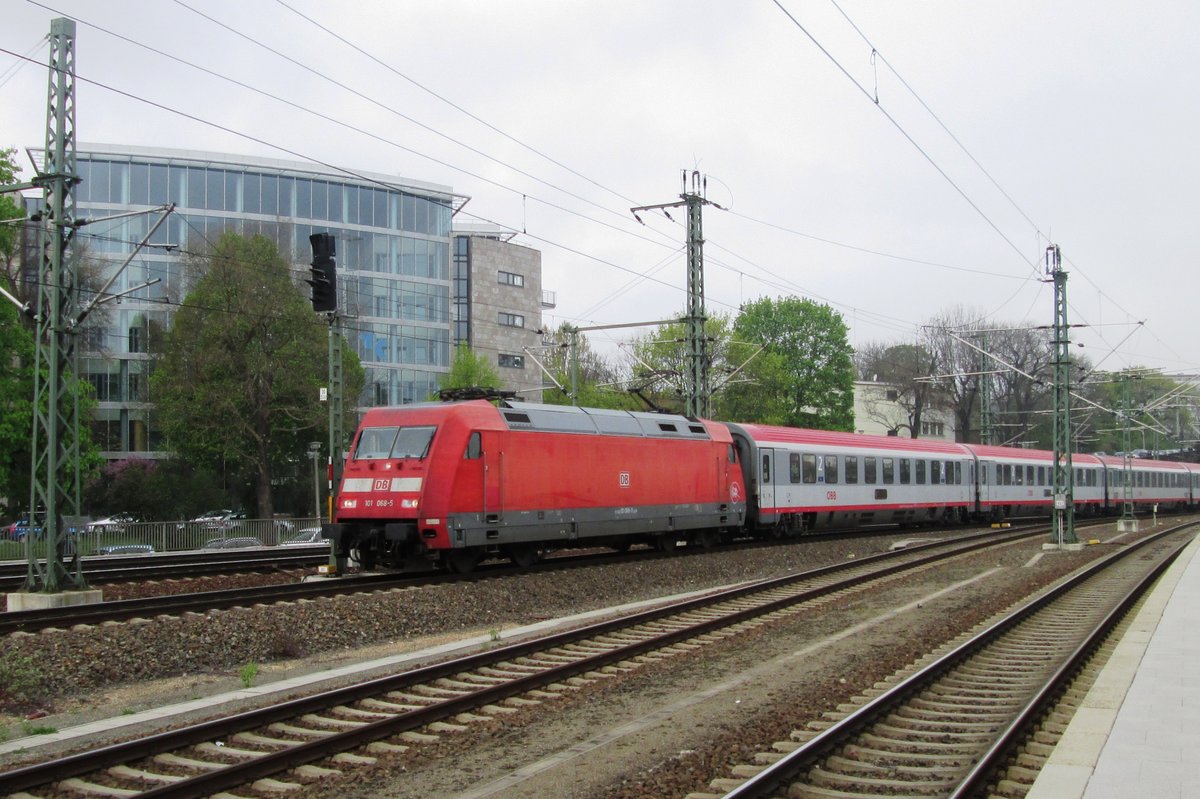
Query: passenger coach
x,y
804,480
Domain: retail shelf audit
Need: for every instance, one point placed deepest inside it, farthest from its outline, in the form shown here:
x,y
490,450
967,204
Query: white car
x,y
112,524
308,535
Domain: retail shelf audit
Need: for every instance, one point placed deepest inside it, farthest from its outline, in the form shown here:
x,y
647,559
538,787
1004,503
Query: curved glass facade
x,y
393,255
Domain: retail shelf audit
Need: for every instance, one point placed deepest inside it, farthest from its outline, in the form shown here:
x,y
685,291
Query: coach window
x,y
1029,475
920,472
1041,476
957,473
889,470
474,447
766,469
794,467
851,469
905,471
869,471
831,469
809,468
935,472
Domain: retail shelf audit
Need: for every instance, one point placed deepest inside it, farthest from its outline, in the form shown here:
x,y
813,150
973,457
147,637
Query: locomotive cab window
x,y
375,443
378,443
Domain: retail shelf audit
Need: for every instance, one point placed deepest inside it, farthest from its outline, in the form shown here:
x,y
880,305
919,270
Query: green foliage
x,y
248,673
17,354
166,489
662,373
16,405
597,382
237,387
803,377
20,680
10,208
469,370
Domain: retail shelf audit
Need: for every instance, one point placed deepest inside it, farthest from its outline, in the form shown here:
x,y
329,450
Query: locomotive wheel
x,y
707,538
463,561
621,546
523,555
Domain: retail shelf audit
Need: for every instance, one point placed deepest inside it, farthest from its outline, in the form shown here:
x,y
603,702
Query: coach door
x,y
766,480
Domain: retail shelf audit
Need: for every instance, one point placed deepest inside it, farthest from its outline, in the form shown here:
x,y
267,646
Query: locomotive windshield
x,y
379,443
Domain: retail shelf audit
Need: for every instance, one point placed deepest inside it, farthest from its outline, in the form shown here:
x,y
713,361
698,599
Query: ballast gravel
x,y
75,661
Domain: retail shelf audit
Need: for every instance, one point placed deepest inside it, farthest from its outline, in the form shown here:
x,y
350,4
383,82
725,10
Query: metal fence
x,y
216,534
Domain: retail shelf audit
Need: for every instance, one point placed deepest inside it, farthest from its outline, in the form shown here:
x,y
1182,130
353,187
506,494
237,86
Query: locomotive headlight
x,y
408,503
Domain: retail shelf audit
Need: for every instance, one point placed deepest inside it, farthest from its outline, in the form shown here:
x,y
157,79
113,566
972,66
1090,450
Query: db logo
x,y
381,485
623,479
734,491
831,495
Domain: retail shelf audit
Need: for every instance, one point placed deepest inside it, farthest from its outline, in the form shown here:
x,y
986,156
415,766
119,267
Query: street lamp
x,y
314,452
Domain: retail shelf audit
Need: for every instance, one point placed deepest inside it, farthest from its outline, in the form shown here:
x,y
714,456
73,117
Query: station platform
x,y
1137,734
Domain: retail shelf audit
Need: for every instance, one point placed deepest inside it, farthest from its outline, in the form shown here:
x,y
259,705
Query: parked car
x,y
308,535
20,528
125,549
207,518
112,524
231,543
229,520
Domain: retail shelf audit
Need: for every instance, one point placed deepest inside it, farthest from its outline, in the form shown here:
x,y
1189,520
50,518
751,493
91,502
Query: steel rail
x,y
271,763
776,777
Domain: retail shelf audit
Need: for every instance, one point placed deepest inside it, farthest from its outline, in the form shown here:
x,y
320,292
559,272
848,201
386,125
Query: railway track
x,y
306,739
30,621
121,568
954,727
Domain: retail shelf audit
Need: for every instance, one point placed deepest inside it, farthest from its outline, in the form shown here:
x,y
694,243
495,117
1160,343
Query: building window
x,y
511,279
511,319
512,361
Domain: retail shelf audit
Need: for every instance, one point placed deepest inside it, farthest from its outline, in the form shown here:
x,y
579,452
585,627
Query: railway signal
x,y
324,273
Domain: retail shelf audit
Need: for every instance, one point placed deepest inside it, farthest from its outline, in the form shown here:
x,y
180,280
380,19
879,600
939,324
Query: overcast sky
x,y
1077,124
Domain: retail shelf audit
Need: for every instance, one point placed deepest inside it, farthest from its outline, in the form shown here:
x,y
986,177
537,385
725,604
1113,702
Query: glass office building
x,y
393,256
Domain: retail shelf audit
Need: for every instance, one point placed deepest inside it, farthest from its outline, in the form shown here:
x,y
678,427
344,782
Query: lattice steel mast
x,y
55,484
699,390
1064,474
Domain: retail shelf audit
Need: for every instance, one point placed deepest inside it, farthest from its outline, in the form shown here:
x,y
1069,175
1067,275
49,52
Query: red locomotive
x,y
455,482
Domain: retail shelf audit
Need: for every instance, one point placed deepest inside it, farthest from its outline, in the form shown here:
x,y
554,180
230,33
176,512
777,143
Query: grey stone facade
x,y
503,315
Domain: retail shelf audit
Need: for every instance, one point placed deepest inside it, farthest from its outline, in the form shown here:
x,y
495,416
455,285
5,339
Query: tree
x,y
597,380
804,376
242,364
662,365
469,370
948,336
16,406
10,208
906,369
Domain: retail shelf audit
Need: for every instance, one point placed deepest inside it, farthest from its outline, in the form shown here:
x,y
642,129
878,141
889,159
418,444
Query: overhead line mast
x,y
699,390
1064,474
55,483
